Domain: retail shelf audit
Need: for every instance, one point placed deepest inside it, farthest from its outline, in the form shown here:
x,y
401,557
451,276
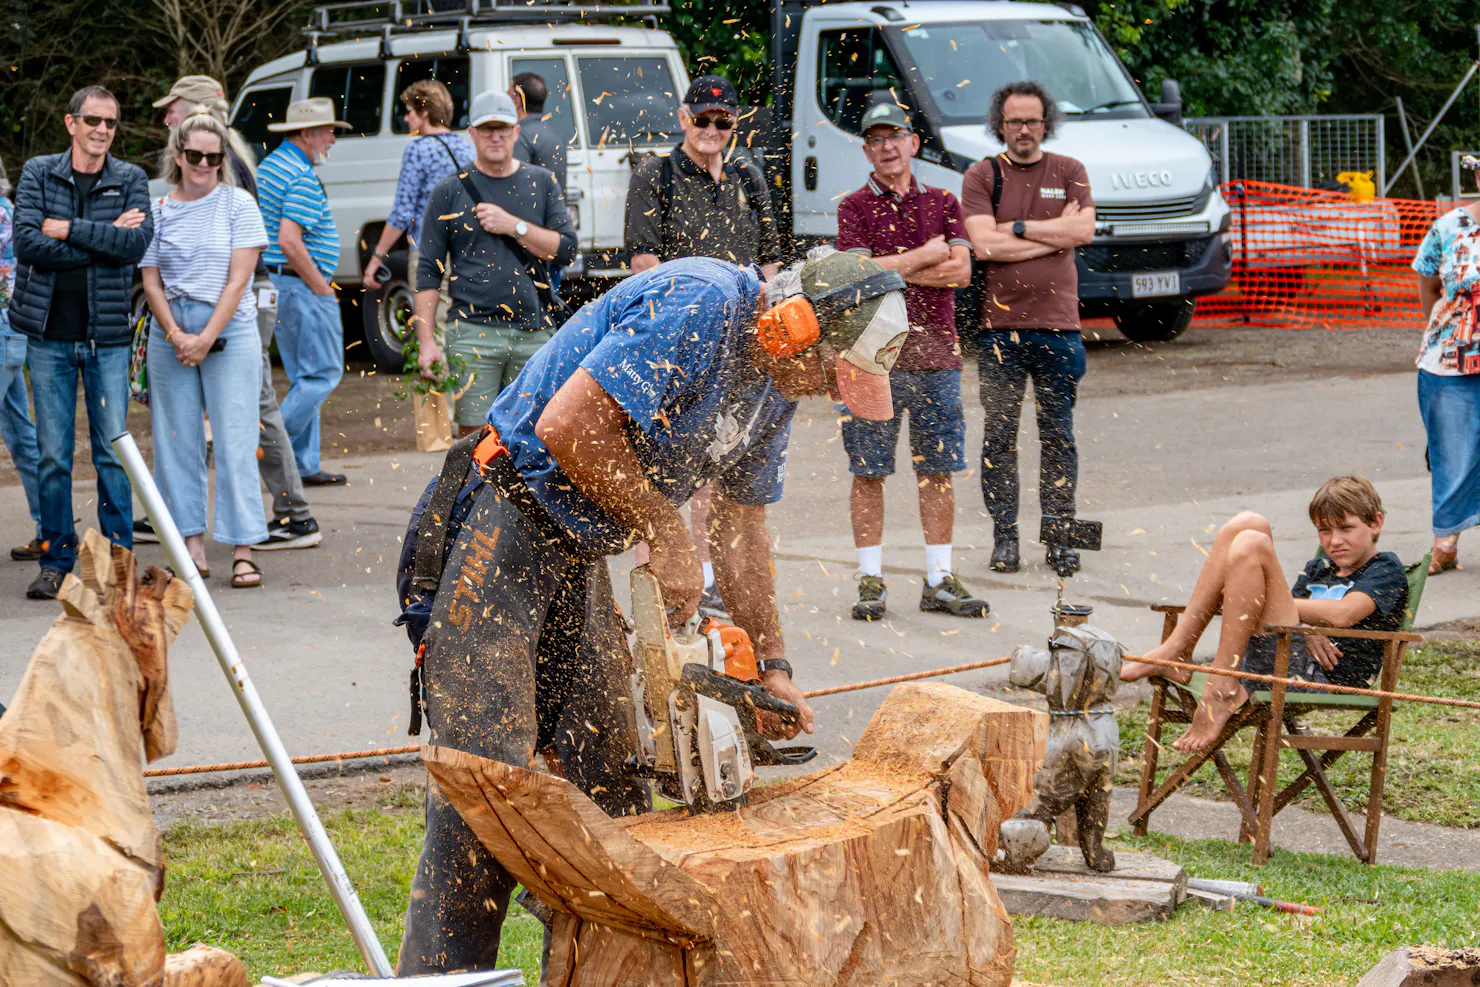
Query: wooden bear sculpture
x,y
1079,674
872,871
80,860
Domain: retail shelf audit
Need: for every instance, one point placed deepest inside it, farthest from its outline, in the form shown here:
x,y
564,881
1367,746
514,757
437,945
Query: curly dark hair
x,y
1051,114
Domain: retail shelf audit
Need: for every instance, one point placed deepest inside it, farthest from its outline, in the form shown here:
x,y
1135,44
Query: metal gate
x,y
1293,150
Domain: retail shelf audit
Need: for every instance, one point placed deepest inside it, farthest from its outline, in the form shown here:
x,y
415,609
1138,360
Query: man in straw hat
x,y
293,524
302,252
680,376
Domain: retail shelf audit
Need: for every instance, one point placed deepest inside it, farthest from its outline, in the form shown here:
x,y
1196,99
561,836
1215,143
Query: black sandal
x,y
239,579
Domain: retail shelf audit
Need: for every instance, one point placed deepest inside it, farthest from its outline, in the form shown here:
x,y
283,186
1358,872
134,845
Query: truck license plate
x,y
1156,283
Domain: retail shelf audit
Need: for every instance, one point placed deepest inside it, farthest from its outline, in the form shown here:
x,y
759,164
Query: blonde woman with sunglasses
x,y
205,354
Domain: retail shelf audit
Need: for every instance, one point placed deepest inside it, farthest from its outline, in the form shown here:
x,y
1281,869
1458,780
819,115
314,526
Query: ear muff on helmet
x,y
789,328
792,326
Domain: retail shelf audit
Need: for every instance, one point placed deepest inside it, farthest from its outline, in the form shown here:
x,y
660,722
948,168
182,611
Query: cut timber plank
x,y
868,872
1141,888
204,966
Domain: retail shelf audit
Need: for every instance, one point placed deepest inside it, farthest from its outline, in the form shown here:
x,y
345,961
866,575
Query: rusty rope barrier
x,y
1349,690
1345,690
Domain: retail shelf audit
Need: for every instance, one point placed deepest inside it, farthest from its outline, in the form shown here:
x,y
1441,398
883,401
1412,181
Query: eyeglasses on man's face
x,y
1020,123
898,138
502,131
94,122
718,122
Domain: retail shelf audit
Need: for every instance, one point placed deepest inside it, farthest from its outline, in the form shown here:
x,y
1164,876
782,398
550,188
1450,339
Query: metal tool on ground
x,y
698,698
340,888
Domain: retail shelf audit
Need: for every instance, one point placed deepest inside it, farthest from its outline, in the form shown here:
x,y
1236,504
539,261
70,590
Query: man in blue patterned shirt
x,y
302,252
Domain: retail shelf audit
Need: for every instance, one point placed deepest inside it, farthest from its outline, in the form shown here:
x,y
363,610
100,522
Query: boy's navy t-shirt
x,y
1384,580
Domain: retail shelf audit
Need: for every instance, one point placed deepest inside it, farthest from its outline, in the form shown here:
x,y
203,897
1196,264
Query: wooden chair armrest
x,y
1349,632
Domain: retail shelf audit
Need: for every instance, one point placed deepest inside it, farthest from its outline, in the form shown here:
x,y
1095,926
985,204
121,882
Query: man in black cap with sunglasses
x,y
695,203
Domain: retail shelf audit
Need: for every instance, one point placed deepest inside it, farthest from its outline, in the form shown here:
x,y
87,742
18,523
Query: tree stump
x,y
872,871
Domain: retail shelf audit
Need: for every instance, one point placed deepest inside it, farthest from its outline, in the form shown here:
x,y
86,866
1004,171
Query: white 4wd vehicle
x,y
614,95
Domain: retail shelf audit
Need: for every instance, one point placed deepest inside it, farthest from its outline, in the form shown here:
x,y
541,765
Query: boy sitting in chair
x,y
1351,585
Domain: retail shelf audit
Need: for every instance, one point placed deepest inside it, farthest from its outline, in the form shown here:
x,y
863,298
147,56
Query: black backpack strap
x,y
431,539
665,196
996,189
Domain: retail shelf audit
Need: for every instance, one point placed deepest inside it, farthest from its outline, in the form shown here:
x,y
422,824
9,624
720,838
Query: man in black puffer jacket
x,y
82,222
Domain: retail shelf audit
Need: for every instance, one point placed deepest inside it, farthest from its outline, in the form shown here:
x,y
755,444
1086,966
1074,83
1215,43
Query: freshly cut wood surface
x,y
80,861
867,872
204,966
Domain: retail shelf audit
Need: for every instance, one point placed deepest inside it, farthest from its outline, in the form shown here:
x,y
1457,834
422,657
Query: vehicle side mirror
x,y
1170,107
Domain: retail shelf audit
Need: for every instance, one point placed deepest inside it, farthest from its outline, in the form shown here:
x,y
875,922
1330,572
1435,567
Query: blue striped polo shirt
x,y
287,188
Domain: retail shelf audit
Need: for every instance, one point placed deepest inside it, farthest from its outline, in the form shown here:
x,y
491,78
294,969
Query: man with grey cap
x,y
682,376
293,524
497,228
302,252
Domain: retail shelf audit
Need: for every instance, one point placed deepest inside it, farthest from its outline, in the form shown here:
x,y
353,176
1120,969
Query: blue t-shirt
x,y
671,347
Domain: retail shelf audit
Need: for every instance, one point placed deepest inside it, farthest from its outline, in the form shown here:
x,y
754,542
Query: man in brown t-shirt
x,y
1026,211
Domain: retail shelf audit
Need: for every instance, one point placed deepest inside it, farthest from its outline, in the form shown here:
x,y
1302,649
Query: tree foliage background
x,y
1230,56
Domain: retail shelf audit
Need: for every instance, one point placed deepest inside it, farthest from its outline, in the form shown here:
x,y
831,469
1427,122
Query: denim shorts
x,y
937,427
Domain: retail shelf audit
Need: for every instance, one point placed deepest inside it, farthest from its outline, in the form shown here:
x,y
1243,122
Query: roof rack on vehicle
x,y
355,16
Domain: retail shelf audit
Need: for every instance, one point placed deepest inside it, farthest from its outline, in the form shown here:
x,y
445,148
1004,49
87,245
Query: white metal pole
x,y
340,888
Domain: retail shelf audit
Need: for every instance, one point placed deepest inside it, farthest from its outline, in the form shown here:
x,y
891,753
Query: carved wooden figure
x,y
872,871
80,858
1079,675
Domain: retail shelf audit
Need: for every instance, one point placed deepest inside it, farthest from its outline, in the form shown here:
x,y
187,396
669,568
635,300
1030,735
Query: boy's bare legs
x,y
1202,606
1255,593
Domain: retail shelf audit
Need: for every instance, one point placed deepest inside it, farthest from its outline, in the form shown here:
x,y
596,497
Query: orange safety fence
x,y
1311,259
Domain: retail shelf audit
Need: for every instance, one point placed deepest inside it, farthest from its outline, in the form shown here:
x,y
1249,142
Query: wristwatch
x,y
775,665
521,229
1019,229
383,258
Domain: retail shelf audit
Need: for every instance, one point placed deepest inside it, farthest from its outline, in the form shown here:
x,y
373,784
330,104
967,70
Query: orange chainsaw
x,y
698,697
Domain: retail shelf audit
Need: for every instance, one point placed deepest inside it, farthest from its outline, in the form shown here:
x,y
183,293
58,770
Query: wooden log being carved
x,y
873,871
80,858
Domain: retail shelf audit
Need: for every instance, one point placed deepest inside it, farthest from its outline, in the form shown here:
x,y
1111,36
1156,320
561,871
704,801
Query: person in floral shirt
x,y
1448,266
16,427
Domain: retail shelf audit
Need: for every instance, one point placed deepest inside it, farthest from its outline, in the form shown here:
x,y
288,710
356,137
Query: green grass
x,y
251,887
1433,766
219,891
1369,911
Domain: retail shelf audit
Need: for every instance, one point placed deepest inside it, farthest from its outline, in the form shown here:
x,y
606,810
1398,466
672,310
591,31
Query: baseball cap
x,y
199,89
867,333
492,107
711,92
886,113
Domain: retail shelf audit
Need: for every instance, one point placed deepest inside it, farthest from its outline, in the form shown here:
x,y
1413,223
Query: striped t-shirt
x,y
193,242
287,188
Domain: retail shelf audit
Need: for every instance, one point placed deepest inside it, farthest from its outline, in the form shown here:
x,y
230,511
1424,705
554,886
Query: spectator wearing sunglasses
x,y
81,224
205,353
693,202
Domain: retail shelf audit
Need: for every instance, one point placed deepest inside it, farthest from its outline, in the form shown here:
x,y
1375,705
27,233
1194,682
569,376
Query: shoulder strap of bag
x,y
431,538
456,165
996,188
665,195
533,266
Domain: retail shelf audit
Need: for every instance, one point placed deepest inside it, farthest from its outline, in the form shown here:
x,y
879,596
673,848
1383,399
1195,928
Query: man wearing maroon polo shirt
x,y
917,230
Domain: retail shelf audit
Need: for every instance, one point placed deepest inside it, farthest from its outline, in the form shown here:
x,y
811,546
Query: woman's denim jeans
x,y
225,386
1450,407
16,427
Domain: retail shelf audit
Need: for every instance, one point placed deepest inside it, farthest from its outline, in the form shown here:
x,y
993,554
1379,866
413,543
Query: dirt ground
x,y
364,416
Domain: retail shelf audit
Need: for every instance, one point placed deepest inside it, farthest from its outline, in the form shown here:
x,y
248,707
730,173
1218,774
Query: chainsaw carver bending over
x,y
1351,585
668,382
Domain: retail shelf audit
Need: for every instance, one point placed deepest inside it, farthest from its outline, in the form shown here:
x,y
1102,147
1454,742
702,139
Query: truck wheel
x,y
386,314
1154,322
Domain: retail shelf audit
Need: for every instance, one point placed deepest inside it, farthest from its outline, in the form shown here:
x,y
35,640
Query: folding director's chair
x,y
1274,715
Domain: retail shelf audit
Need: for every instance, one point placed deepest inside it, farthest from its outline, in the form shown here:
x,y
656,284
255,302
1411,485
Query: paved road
x,y
1161,470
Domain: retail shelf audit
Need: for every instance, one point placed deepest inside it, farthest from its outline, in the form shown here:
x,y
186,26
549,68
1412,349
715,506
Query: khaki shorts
x,y
492,357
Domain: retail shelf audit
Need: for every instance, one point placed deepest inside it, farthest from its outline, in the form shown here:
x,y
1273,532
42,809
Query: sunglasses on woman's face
x,y
718,123
196,157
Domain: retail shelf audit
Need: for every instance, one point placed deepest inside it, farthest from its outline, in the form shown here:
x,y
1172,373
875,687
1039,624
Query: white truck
x,y
614,92
1160,237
